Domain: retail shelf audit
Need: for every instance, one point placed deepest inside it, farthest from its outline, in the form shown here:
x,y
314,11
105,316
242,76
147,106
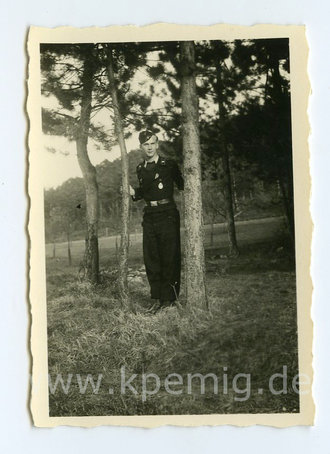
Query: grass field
x,y
250,329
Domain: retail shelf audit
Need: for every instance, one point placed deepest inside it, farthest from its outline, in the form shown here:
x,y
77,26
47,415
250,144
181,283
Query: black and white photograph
x,y
169,225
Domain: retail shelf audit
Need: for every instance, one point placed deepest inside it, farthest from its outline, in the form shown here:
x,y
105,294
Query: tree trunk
x,y
91,262
227,187
193,214
287,198
69,248
235,198
117,249
286,173
124,243
212,231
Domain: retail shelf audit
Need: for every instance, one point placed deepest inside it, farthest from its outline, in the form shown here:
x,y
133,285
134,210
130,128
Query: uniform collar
x,y
155,160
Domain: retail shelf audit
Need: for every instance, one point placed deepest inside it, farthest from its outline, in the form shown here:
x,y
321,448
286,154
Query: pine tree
x,y
69,75
124,245
261,132
224,152
193,212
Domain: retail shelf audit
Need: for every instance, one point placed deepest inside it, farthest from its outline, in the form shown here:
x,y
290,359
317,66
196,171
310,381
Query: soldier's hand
x,y
131,191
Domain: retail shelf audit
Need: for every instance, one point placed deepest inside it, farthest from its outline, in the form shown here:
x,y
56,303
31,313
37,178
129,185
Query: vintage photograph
x,y
166,198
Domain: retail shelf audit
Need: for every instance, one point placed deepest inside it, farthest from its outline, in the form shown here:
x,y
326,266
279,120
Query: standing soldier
x,y
161,221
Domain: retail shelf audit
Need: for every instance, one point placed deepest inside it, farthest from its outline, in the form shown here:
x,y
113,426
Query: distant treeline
x,y
65,206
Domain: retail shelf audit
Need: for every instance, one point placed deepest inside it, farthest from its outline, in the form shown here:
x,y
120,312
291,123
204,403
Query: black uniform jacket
x,y
156,180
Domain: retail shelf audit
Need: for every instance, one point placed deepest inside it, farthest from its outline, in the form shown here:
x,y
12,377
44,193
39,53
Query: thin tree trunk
x,y
116,249
193,213
212,231
69,248
285,175
54,250
91,264
124,243
235,200
227,188
287,198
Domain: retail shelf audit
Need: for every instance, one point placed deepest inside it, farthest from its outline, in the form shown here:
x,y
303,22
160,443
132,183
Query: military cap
x,y
144,136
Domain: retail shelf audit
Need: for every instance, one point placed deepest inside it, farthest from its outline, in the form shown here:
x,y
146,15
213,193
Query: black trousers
x,y
161,251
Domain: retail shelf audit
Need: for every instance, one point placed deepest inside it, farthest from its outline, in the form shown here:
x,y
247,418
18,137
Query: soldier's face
x,y
150,147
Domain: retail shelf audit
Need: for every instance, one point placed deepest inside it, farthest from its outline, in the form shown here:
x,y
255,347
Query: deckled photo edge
x,y
300,93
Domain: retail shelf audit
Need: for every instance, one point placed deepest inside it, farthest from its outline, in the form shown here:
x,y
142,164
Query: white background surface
x,y
17,434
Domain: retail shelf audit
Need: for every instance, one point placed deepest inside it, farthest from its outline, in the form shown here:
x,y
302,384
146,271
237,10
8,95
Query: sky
x,y
65,161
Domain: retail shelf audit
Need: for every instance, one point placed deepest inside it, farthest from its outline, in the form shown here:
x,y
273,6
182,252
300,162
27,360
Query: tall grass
x,y
250,328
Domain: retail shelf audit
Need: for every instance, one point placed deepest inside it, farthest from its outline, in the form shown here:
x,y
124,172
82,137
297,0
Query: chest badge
x,y
156,176
160,185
